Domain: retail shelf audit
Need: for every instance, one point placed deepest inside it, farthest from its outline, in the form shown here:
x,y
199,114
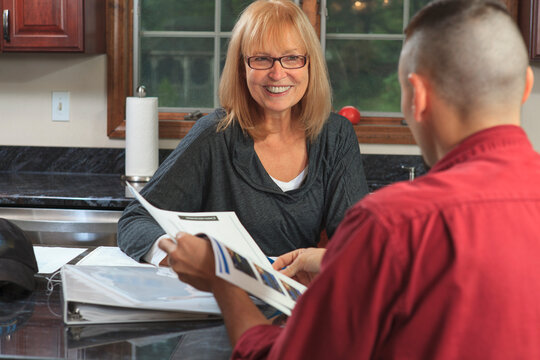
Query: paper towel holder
x,y
136,179
141,92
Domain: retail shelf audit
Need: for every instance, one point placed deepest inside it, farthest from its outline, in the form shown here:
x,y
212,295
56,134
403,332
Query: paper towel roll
x,y
142,142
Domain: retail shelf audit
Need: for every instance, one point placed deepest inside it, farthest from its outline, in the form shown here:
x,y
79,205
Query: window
x,y
375,129
175,44
362,41
175,52
181,49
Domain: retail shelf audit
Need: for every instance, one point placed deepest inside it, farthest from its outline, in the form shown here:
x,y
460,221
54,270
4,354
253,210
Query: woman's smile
x,y
277,90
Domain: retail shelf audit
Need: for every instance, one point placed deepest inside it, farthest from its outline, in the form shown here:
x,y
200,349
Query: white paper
x,y
223,225
142,136
109,256
50,259
259,279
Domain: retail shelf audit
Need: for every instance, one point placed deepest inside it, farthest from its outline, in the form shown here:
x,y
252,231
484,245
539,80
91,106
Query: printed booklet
x,y
238,259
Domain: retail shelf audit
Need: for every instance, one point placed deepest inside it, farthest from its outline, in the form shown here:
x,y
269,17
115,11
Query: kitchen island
x,y
83,182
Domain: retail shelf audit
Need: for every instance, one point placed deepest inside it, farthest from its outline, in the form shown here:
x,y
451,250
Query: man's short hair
x,y
471,50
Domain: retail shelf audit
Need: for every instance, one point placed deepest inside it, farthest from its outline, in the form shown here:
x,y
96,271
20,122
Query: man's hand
x,y
303,265
192,259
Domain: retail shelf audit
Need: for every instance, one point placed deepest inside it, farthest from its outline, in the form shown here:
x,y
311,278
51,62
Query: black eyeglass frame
x,y
274,59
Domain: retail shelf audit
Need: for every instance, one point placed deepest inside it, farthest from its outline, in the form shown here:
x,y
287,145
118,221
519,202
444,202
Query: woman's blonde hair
x,y
268,20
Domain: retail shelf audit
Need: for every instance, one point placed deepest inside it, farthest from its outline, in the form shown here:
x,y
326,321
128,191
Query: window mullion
x,y
187,34
324,14
136,44
365,36
406,13
217,51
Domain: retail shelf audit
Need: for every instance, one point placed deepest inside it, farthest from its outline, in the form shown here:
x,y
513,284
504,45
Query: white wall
x,y
26,85
28,80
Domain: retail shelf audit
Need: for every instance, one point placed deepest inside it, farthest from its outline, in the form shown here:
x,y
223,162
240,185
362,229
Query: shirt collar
x,y
481,142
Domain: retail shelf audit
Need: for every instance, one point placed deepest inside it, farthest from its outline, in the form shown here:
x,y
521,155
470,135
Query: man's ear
x,y
419,96
529,82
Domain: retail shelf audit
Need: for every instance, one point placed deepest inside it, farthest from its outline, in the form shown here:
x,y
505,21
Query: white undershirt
x,y
293,184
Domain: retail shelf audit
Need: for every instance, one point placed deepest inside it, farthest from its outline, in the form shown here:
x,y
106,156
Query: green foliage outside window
x,y
363,42
363,69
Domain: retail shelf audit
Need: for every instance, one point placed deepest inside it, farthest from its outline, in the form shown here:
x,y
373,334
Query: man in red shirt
x,y
446,266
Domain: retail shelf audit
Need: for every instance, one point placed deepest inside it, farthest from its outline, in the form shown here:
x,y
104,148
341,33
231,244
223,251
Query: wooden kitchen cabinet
x,y
53,26
529,14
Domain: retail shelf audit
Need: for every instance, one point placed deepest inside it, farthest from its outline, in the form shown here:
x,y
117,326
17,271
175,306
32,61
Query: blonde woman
x,y
274,153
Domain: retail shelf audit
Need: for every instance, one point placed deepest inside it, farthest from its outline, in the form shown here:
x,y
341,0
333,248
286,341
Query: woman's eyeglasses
x,y
267,62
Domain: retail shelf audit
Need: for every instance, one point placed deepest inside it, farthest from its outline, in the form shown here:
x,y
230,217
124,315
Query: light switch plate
x,y
60,106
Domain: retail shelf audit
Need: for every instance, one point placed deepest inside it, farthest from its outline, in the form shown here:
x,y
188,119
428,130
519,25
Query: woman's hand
x,y
192,259
303,265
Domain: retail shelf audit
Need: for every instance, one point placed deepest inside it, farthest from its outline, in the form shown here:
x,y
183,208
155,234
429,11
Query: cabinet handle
x,y
5,24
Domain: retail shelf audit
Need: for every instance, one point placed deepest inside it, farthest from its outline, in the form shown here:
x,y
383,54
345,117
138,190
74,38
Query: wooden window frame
x,y
529,19
370,130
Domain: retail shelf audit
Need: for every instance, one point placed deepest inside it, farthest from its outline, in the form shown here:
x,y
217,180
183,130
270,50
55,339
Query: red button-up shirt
x,y
444,267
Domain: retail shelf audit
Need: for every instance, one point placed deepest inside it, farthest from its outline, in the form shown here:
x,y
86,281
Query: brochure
x,y
238,259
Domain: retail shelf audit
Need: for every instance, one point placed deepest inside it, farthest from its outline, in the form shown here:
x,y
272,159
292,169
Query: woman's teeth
x,y
277,89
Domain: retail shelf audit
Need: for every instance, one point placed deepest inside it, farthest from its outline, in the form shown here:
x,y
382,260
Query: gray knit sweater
x,y
220,171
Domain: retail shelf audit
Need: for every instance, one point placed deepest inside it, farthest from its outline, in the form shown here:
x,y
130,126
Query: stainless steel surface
x,y
141,91
411,170
136,179
65,226
5,24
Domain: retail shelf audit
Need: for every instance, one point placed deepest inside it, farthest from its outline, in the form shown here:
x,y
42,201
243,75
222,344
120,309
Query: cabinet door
x,y
529,17
45,25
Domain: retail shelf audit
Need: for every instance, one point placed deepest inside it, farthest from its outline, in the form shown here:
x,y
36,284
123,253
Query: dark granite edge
x,y
63,203
59,160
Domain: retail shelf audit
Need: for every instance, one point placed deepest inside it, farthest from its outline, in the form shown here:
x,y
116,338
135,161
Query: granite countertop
x,y
60,177
63,190
90,178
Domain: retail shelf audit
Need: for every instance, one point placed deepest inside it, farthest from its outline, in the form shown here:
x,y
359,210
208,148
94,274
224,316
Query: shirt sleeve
x,y
155,255
177,185
346,180
346,311
256,342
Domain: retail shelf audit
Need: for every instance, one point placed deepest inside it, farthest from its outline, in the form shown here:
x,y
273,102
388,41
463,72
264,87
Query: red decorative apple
x,y
351,113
